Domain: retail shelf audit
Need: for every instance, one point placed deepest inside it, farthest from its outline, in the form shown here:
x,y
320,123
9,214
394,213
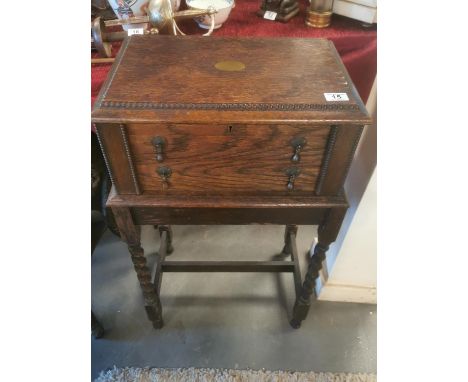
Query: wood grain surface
x,y
169,78
210,159
113,142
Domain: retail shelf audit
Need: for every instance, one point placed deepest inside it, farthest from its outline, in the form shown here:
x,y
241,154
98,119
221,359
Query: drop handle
x,y
292,173
159,143
297,144
165,173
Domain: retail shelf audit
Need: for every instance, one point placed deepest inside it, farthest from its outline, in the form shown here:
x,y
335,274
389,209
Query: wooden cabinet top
x,y
228,80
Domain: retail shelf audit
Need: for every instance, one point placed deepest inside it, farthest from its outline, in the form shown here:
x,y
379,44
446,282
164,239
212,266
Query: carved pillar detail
x,y
131,235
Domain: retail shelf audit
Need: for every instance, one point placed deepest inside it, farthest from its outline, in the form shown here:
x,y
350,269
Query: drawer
x,y
238,159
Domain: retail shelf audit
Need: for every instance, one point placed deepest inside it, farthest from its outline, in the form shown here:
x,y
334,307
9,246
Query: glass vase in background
x,y
319,13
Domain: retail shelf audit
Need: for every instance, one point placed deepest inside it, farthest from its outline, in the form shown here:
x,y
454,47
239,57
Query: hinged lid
x,y
220,79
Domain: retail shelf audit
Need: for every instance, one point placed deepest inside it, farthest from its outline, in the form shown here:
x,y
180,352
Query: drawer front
x,y
241,159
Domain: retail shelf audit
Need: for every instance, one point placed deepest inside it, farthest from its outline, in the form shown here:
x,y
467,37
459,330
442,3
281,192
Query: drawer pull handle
x,y
298,144
159,143
292,173
165,173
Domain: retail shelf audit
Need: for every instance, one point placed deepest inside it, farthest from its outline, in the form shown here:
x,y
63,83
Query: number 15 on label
x,y
336,96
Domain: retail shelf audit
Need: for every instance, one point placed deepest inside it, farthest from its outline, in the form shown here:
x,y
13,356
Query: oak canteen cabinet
x,y
199,130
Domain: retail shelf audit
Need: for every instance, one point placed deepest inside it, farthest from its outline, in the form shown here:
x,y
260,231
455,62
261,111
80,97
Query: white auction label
x,y
336,96
269,15
133,31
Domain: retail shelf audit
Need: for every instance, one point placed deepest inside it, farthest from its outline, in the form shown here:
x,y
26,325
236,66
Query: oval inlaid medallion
x,y
230,66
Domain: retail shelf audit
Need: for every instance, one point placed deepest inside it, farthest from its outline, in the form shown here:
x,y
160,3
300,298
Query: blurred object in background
x,y
319,13
222,6
102,9
278,10
125,9
362,10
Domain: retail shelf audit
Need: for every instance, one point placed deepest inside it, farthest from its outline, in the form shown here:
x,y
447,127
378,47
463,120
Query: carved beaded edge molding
x,y
327,156
106,160
225,106
129,158
103,93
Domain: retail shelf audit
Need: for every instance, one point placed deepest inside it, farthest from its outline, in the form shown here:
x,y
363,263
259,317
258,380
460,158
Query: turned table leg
x,y
131,235
168,229
327,233
287,240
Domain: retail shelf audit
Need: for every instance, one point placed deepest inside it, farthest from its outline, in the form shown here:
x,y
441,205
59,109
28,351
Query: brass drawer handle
x,y
159,143
165,173
292,173
298,144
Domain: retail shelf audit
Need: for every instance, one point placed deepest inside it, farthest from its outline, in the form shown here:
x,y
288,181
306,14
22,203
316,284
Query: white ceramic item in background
x,y
222,6
127,8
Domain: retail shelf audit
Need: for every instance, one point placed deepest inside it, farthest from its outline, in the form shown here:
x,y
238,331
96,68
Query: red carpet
x,y
356,44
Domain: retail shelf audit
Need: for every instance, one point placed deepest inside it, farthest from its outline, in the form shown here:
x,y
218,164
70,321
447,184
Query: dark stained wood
x,y
338,157
329,228
165,249
227,266
292,233
194,216
131,235
185,86
327,232
168,238
220,201
287,239
114,144
156,274
187,143
229,158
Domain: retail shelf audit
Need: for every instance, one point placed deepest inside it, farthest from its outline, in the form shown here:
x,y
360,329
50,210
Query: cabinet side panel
x,y
113,141
339,153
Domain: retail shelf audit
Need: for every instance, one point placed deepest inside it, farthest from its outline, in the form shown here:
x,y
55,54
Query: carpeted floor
x,y
134,374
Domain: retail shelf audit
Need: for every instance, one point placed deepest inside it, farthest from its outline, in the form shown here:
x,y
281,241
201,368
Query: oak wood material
x,y
114,144
156,274
230,158
194,216
327,233
292,233
186,143
287,239
131,235
339,154
228,266
174,79
220,201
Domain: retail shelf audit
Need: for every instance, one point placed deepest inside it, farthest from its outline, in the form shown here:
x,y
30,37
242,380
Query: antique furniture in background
x,y
231,131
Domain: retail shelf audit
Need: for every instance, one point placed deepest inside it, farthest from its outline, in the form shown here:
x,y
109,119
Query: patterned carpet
x,y
134,374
